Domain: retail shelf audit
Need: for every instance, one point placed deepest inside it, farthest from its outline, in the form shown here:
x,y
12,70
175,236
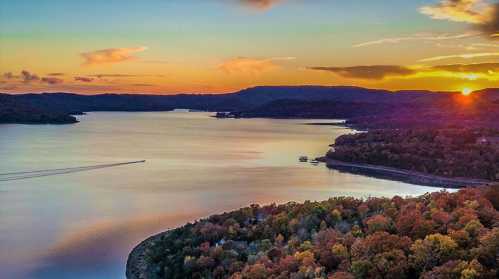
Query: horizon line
x,y
243,89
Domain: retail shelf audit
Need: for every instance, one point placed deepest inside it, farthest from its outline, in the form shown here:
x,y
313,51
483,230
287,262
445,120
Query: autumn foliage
x,y
437,235
471,153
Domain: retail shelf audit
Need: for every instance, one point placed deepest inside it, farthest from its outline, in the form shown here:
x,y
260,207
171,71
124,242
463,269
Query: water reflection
x,y
97,246
82,225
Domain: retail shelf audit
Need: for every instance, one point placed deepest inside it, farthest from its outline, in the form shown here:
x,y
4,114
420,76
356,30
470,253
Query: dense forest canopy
x,y
472,153
438,235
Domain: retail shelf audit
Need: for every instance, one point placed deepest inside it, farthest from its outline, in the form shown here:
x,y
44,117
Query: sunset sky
x,y
214,46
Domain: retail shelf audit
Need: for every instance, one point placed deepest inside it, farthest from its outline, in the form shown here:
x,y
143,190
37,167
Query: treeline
x,y
438,235
366,108
324,109
459,112
23,112
471,153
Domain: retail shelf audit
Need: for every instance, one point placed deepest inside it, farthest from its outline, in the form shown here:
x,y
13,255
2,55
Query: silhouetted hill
x,y
264,94
325,109
490,94
15,111
366,108
261,101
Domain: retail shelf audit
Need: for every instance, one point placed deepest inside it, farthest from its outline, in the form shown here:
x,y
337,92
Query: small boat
x,y
314,162
303,159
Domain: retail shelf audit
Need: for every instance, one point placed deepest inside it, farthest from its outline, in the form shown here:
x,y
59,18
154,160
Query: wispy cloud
x,y
142,84
111,55
111,75
29,77
375,72
469,46
51,80
251,65
418,37
460,56
475,71
116,75
10,75
470,11
476,67
260,4
84,79
485,45
55,74
482,14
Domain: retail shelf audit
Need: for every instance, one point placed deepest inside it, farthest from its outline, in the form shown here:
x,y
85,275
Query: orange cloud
x,y
29,77
470,11
260,4
83,79
250,65
111,55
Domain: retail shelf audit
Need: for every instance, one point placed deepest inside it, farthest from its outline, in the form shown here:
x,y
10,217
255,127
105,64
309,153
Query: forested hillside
x,y
472,153
438,235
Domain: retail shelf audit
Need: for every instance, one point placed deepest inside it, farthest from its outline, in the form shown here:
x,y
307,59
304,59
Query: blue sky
x,y
189,40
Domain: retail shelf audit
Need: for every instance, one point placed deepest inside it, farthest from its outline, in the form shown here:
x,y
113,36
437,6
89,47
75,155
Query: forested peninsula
x,y
437,235
449,152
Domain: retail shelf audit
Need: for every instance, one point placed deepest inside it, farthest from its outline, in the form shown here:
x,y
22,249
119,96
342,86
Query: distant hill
x,y
264,94
375,109
318,109
14,111
261,101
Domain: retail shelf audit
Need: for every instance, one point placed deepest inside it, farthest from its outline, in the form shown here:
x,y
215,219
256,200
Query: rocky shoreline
x,y
136,266
411,177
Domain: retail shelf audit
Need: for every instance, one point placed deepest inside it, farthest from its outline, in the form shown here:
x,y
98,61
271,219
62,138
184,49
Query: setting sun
x,y
466,91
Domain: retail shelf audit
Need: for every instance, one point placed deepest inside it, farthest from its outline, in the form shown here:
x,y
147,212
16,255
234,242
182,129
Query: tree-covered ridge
x,y
438,235
472,153
12,111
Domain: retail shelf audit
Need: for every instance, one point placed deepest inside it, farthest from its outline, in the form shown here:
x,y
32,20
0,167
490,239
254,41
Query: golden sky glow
x,y
225,45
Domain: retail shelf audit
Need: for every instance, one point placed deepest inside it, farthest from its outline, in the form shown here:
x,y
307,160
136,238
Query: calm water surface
x,y
82,225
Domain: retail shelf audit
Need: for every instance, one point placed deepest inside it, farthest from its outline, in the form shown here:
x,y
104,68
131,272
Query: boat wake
x,y
9,176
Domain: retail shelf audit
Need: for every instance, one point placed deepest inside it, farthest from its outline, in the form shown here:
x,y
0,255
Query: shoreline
x,y
411,177
136,265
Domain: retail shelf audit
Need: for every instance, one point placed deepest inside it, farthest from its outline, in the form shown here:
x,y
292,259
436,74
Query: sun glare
x,y
466,91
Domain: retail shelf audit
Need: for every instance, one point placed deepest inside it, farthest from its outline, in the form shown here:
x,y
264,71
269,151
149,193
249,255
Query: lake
x,y
84,224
